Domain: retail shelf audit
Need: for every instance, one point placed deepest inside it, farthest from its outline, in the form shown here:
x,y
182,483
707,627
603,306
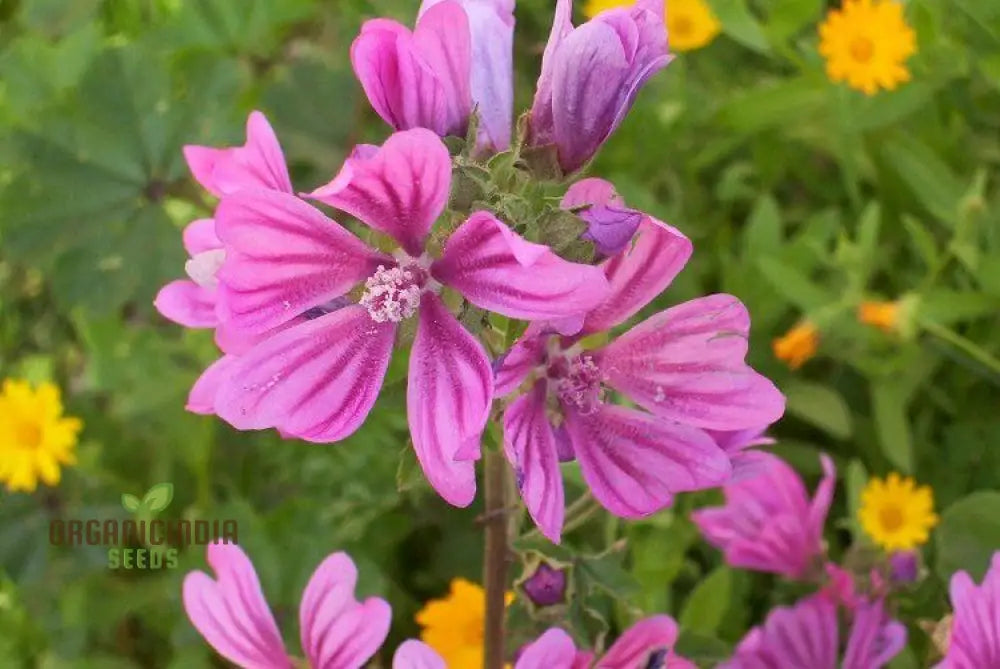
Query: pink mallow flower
x,y
807,635
974,642
769,523
316,378
259,163
591,75
648,644
230,612
684,367
458,57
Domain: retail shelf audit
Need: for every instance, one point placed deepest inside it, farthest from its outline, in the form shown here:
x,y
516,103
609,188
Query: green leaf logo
x,y
130,502
158,497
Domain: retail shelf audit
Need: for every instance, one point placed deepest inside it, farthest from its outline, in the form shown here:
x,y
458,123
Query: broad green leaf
x,y
968,535
892,424
158,497
706,649
86,200
707,604
130,502
821,406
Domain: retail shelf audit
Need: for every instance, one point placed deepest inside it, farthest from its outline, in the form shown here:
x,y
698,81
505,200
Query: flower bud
x,y
546,586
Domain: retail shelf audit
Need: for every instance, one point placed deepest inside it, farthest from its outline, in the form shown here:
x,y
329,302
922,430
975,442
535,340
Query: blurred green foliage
x,y
803,198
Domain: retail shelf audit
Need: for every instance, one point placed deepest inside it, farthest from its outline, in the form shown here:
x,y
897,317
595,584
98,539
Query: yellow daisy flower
x,y
690,23
35,437
797,345
866,43
453,625
896,513
883,315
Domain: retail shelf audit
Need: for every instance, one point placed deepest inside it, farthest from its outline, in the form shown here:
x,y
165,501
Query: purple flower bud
x,y
904,567
610,224
547,586
591,75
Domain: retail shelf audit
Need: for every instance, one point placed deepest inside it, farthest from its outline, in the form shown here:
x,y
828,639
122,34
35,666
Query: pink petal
x,y
513,367
634,462
443,40
553,650
496,269
317,380
588,88
492,83
283,257
201,399
874,639
975,632
399,190
801,636
765,523
531,449
396,69
337,631
448,399
231,613
413,654
186,303
199,236
257,164
686,364
201,161
820,505
634,648
541,119
640,273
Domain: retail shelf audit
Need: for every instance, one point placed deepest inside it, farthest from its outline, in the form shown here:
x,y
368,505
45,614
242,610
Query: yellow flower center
x,y
29,434
891,518
862,49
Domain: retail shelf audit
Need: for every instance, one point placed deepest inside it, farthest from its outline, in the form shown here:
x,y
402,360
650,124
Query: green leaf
x,y
762,235
855,480
947,307
890,402
706,606
821,406
969,534
793,285
740,24
130,503
923,241
772,105
929,179
158,497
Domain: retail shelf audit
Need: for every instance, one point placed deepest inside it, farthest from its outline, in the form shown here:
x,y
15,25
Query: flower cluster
x,y
339,632
307,311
